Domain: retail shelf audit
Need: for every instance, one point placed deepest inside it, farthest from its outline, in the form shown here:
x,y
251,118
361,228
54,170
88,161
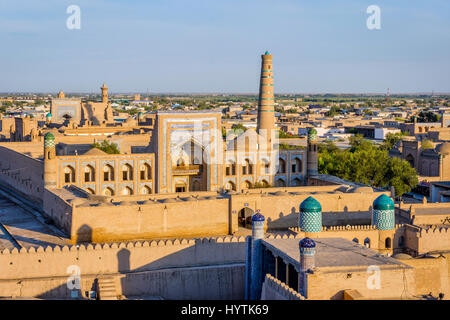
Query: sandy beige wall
x,y
123,257
22,173
59,210
282,211
214,282
395,283
196,218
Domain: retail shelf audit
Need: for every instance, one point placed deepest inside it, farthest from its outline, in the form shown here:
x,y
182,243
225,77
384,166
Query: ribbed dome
x,y
443,148
49,136
307,243
258,217
362,190
401,256
383,202
95,152
310,204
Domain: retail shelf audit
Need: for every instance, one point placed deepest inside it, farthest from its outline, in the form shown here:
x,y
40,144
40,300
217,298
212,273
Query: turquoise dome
x,y
267,53
383,202
310,204
49,115
310,218
383,216
49,136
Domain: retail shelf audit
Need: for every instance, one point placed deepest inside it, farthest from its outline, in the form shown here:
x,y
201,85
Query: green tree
x,y
427,144
391,139
367,163
108,147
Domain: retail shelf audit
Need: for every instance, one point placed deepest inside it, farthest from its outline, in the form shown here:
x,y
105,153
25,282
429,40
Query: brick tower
x,y
266,116
104,93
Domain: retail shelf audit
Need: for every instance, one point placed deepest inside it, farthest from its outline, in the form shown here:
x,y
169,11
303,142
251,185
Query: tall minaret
x,y
104,93
266,116
50,162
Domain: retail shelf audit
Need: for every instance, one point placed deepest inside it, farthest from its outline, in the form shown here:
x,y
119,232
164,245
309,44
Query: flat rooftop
x,y
332,252
433,211
20,228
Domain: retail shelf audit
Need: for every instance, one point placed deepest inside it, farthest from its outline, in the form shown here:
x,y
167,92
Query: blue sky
x,y
215,46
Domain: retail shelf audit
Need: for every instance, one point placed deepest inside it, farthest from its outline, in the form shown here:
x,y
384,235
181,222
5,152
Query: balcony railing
x,y
189,169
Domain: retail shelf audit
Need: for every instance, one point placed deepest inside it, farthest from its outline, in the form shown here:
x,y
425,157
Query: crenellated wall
x,y
22,173
274,289
281,208
44,271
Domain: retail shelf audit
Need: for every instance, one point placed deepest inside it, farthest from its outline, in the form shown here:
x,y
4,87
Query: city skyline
x,y
171,47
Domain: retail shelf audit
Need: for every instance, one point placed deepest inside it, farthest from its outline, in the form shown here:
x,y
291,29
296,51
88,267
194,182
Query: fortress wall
x,y
223,282
436,219
22,173
120,257
274,289
107,222
395,283
361,233
32,149
281,211
434,239
161,196
58,209
308,189
432,275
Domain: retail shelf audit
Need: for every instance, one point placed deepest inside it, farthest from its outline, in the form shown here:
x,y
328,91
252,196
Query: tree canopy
x,y
391,139
367,163
108,147
426,116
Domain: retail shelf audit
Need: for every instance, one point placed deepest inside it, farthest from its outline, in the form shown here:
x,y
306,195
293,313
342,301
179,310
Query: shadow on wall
x,y
178,275
181,276
84,234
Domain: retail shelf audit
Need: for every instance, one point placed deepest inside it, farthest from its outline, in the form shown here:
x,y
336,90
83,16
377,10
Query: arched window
x,y
355,240
108,192
298,165
401,241
280,183
296,182
127,191
247,185
180,162
108,173
387,243
89,174
247,167
230,186
367,242
281,166
127,172
230,169
146,172
146,190
69,174
196,185
265,167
